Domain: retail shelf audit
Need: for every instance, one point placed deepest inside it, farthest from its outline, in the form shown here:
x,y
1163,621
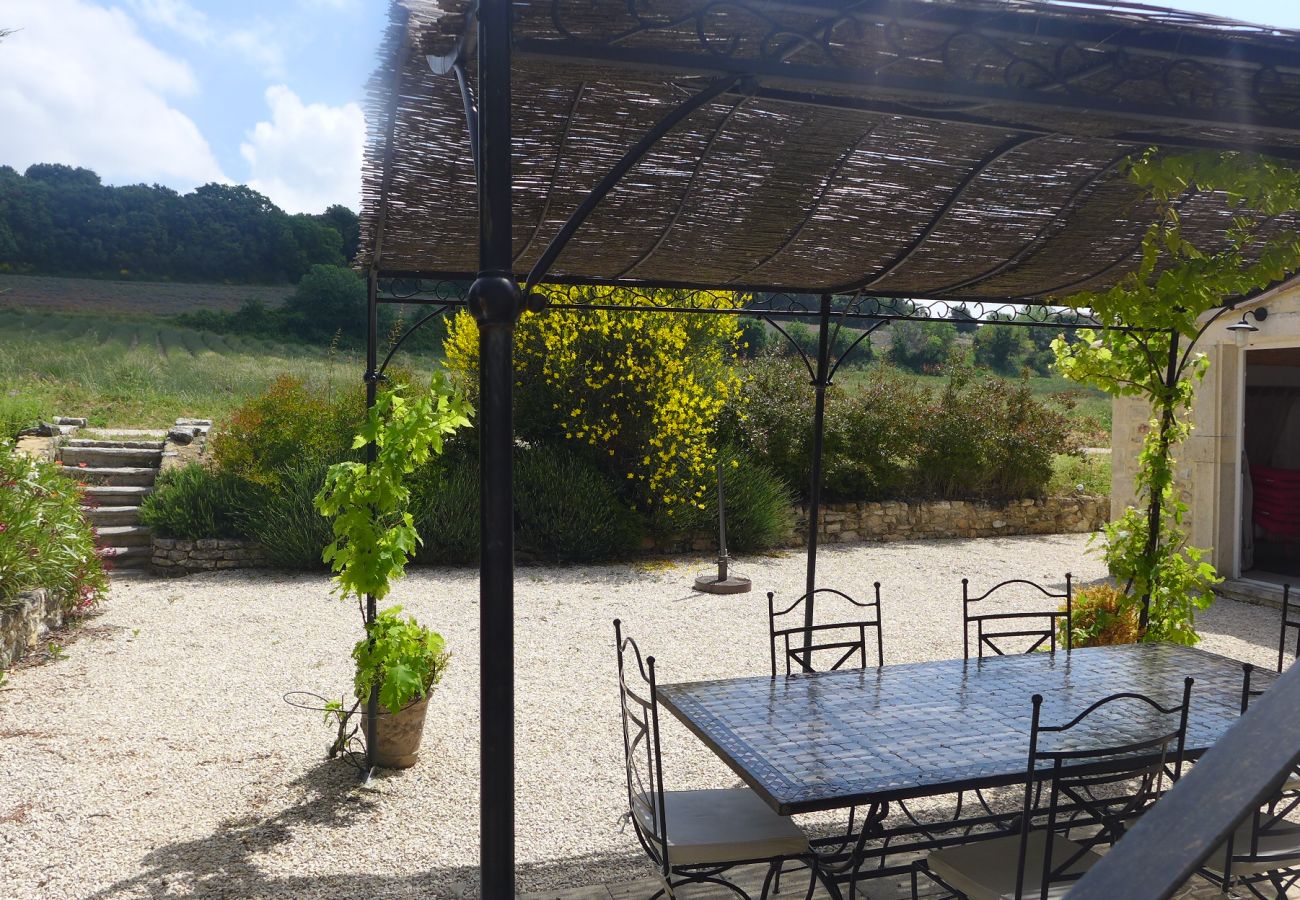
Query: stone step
x,y
119,476
105,457
125,536
126,557
119,444
103,516
117,495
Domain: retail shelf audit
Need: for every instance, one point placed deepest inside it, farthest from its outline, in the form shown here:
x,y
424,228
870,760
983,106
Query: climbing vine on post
x,y
374,533
1165,303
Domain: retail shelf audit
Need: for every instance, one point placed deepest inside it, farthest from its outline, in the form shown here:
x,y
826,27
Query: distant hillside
x,y
47,293
57,220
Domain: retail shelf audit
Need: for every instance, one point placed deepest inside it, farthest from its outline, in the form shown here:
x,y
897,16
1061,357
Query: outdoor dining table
x,y
819,741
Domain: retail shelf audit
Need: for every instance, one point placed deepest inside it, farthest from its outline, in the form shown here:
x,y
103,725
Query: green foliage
x,y
329,300
17,412
445,507
283,520
374,531
1002,348
1102,615
844,344
45,541
754,339
921,346
977,437
198,502
401,656
288,426
55,219
1166,298
1080,474
759,514
567,510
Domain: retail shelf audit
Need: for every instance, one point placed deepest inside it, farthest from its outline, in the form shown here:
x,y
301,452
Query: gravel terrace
x,y
158,759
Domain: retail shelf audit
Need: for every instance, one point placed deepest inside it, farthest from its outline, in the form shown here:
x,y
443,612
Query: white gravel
x,y
158,759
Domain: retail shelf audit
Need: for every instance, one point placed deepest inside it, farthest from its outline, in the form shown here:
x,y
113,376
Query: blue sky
x,y
181,92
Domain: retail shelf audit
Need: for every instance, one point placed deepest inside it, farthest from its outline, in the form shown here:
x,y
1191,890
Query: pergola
x,y
829,158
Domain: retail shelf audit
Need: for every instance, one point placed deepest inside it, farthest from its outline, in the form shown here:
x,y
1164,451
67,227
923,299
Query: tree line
x,y
60,220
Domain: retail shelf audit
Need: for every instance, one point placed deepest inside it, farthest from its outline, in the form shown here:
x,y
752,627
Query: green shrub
x,y
287,427
919,345
759,513
285,522
197,502
978,437
45,541
983,437
17,413
566,510
1080,475
444,504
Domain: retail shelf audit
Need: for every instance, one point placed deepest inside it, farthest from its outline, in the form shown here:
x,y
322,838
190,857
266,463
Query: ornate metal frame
x,y
973,64
986,639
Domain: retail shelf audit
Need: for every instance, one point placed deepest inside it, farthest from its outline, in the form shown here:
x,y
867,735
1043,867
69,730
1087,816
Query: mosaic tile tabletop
x,y
836,739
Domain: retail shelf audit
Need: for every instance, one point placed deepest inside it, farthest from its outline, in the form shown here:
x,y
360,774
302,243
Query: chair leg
x,y
773,873
820,874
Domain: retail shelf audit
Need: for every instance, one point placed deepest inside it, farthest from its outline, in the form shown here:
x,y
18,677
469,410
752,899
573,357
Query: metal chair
x,y
1287,622
1046,634
1080,764
839,642
694,837
1265,848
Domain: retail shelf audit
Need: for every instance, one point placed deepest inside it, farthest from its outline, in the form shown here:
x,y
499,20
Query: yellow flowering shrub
x,y
641,390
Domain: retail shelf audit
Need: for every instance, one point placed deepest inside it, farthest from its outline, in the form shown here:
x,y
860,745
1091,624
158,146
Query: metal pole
x,y
372,388
722,526
494,300
820,383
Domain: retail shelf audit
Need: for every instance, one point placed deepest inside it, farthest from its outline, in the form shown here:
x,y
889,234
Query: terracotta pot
x,y
399,735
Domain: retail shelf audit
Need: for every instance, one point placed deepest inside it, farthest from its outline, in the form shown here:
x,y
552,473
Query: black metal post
x,y
494,301
820,382
372,388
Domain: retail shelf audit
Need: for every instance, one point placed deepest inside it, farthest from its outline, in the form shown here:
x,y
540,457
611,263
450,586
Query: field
x,y
51,294
141,372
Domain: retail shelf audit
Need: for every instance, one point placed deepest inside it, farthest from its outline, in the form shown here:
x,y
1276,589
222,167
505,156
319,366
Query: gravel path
x,y
158,759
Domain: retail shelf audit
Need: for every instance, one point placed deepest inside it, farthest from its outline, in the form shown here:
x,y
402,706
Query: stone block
x,y
227,564
163,543
207,554
207,544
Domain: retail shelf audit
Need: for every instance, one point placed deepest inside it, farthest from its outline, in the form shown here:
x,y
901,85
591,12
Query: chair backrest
x,y
1123,742
1266,821
832,642
1030,628
1290,619
639,706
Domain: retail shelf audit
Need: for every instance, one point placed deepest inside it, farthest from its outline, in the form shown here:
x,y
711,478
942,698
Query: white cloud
x,y
254,43
80,85
309,155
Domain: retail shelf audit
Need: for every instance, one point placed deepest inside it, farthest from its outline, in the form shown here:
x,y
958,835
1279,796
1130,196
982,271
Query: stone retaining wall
x,y
900,520
176,556
889,520
24,620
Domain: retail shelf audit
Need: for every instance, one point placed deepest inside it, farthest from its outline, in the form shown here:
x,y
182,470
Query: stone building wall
x,y
173,556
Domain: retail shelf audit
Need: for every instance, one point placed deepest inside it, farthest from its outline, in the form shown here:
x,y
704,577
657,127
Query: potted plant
x,y
406,661
374,536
